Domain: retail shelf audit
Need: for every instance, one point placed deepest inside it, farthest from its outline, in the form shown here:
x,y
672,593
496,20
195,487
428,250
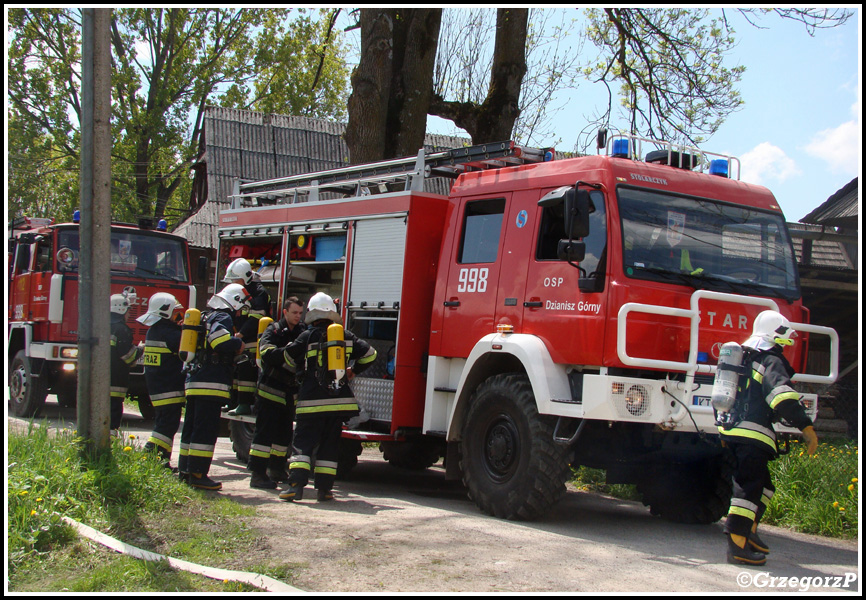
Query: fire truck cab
x,y
544,313
43,302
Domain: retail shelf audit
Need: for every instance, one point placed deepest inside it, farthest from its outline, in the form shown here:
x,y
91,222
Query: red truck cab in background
x,y
43,302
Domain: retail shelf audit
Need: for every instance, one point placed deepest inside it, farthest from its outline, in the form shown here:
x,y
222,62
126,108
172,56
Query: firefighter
x,y
123,356
247,323
208,386
765,397
324,399
275,399
163,370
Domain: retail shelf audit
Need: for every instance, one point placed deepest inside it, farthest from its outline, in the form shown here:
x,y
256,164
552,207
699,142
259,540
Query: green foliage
x,y
128,494
817,494
168,65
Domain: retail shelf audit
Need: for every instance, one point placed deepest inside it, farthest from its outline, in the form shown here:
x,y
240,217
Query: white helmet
x,y
770,328
160,306
240,268
119,304
233,296
322,306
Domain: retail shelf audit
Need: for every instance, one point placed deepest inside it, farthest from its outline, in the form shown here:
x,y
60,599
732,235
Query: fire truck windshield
x,y
133,253
706,244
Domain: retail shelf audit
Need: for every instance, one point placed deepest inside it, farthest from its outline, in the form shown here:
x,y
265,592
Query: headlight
x,y
637,400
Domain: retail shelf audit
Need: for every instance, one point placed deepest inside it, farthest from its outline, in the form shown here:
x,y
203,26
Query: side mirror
x,y
202,268
577,205
572,251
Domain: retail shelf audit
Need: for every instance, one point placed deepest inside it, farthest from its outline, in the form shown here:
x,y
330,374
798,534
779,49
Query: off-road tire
x,y
413,455
26,392
241,434
511,466
696,493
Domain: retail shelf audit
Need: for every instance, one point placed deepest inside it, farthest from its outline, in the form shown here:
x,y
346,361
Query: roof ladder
x,y
380,177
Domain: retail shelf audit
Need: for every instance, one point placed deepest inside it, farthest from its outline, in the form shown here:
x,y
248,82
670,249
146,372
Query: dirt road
x,y
393,530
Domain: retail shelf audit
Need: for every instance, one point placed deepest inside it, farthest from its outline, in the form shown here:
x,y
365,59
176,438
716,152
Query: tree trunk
x,y
391,87
493,120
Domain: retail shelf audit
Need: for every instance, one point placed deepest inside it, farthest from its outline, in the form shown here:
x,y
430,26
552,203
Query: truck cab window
x,y
552,229
482,228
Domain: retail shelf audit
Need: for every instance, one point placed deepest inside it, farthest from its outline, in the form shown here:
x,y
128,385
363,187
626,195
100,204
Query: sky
x,y
799,131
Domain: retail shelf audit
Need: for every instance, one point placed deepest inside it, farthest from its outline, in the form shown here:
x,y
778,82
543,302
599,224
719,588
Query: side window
x,y
552,229
482,228
43,255
22,258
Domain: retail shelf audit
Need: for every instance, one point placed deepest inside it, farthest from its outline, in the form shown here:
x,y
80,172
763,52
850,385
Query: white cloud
x,y
766,162
839,147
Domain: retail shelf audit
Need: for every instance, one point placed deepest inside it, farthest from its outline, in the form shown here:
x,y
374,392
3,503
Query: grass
x,y
129,495
816,494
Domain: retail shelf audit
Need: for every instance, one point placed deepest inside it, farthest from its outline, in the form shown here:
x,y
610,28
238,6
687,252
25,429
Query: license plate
x,y
701,401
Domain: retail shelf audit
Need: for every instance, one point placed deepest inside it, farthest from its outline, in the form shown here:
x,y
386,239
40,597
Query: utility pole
x,y
94,329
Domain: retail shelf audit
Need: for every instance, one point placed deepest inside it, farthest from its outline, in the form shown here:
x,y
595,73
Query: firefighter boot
x,y
261,481
757,543
278,475
740,554
324,495
241,409
294,492
203,482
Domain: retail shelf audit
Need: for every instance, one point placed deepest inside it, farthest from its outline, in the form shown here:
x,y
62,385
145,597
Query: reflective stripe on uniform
x,y
173,397
326,467
205,450
299,461
326,405
279,450
272,394
753,431
118,392
158,439
780,394
743,508
260,450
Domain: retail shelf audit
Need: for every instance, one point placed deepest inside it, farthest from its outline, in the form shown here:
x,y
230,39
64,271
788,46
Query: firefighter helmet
x,y
322,306
232,296
161,305
239,268
119,304
770,328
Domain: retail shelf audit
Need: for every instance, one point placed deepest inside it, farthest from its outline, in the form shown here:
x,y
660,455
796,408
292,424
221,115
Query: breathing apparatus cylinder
x,y
263,324
189,334
726,382
336,353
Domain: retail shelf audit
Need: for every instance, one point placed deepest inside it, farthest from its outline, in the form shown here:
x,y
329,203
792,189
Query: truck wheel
x,y
510,464
698,493
67,396
26,392
347,459
413,455
241,434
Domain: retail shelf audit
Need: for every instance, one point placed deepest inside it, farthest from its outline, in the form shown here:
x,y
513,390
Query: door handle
x,y
452,303
538,304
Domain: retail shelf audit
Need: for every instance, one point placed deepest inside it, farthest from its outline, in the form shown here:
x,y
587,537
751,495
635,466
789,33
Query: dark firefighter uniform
x,y
247,324
208,388
767,398
321,410
163,373
275,402
123,356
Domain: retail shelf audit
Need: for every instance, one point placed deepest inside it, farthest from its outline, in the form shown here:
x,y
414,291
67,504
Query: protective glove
x,y
811,440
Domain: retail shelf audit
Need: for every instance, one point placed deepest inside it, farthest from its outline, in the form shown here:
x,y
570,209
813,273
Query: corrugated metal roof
x,y
254,146
823,252
840,209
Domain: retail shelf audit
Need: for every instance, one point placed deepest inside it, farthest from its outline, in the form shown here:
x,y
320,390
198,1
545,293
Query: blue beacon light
x,y
719,167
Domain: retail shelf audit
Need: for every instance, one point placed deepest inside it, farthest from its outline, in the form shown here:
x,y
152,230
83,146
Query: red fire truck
x,y
540,315
43,302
